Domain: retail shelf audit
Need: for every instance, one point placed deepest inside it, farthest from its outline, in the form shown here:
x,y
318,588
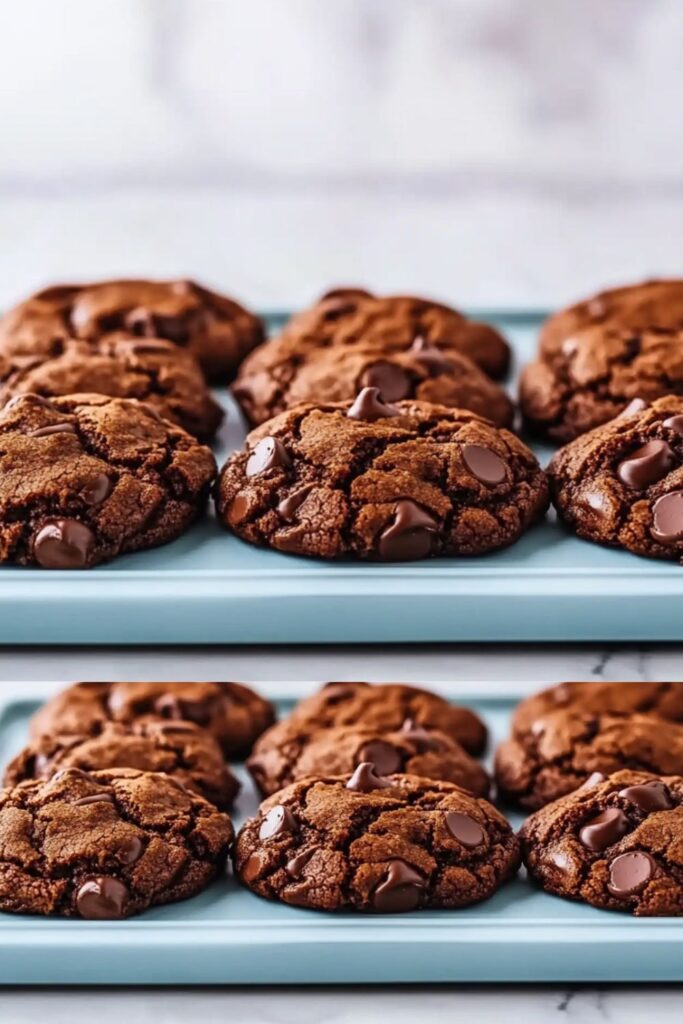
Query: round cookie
x,y
596,375
153,371
234,714
381,481
84,478
214,329
372,843
614,844
656,303
282,374
383,707
180,749
295,750
663,700
106,844
622,483
565,748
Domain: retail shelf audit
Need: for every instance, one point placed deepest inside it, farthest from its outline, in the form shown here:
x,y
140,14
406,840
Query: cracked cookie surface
x,y
376,843
565,748
292,750
234,714
615,844
106,844
178,748
622,483
381,481
84,478
217,331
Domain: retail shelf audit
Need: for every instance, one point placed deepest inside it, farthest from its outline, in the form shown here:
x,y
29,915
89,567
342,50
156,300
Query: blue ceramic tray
x,y
228,936
210,588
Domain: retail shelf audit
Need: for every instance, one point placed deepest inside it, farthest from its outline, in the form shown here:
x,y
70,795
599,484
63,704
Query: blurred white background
x,y
487,151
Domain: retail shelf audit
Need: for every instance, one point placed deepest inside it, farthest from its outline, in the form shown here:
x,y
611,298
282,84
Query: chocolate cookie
x,y
153,371
596,375
663,700
106,844
296,749
614,843
383,708
181,749
214,329
282,373
232,713
84,478
632,307
383,481
372,843
566,747
622,483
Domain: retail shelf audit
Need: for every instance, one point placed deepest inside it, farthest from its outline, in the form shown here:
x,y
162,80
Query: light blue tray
x,y
228,936
210,588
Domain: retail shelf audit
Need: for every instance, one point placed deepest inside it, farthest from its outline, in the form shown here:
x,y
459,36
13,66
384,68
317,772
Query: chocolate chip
x,y
74,773
102,898
634,406
667,515
288,507
251,867
465,829
239,508
488,467
96,798
400,890
604,829
392,380
369,406
366,778
269,453
419,737
31,397
630,872
54,428
296,865
593,780
130,850
97,489
170,705
431,357
674,423
650,796
646,465
410,534
63,544
278,820
385,758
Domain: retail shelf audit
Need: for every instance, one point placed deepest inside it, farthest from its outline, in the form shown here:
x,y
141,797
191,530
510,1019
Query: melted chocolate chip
x,y
369,406
400,890
674,423
593,780
431,357
63,544
169,705
251,868
130,851
650,796
54,428
409,535
392,380
296,865
634,406
419,737
238,509
96,798
102,898
604,829
279,819
366,778
465,829
667,516
269,453
386,759
646,465
488,467
97,489
630,872
288,507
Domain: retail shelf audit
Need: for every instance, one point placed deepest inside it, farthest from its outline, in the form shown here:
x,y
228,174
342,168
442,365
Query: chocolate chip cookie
x,y
382,481
234,714
614,844
564,748
632,307
178,748
84,478
595,376
214,329
377,843
622,483
663,700
153,371
282,373
295,749
106,844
